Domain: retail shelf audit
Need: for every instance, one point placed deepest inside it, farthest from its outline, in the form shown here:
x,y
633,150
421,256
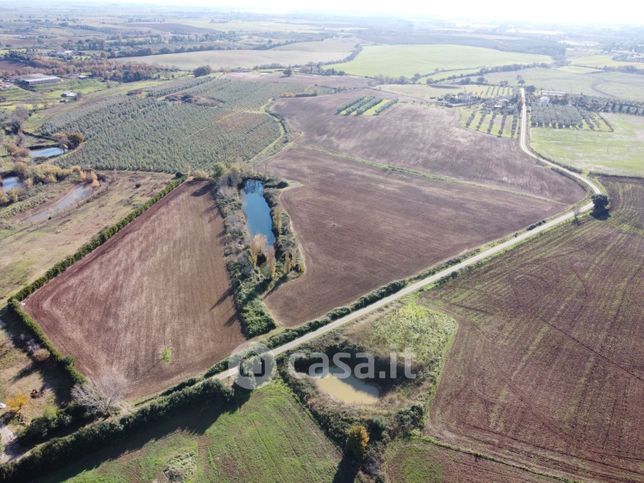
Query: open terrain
x,y
423,138
269,438
28,250
602,84
151,306
417,461
617,152
546,366
377,198
407,60
294,54
361,227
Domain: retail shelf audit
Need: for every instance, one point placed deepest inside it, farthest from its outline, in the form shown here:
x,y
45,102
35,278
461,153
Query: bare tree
x,y
271,263
101,398
257,245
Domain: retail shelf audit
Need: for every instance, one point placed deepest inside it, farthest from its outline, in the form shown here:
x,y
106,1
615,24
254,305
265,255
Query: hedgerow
x,y
62,451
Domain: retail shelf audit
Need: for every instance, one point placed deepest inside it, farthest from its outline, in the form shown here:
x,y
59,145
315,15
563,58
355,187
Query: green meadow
x,y
407,60
618,152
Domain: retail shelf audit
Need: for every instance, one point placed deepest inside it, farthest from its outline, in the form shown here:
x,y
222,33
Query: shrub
x,y
357,441
600,206
201,71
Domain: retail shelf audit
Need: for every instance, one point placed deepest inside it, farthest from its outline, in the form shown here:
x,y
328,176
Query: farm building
x,y
36,79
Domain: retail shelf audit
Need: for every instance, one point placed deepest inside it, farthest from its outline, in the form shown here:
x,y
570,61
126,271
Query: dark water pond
x,y
256,210
11,183
46,152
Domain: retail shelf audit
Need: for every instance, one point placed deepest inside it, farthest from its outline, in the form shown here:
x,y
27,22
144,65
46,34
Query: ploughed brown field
x,y
425,138
417,460
362,225
160,283
546,368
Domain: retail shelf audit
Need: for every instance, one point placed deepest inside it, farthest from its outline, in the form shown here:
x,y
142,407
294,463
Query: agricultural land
x,y
33,242
460,205
282,441
293,54
151,288
355,183
617,152
544,370
407,60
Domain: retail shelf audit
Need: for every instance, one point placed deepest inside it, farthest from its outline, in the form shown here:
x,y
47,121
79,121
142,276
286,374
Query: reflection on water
x,y
46,152
346,388
256,210
11,183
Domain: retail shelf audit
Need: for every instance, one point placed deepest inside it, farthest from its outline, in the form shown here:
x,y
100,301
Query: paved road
x,y
563,218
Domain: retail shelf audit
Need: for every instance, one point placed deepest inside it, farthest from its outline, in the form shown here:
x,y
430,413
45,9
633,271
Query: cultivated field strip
x,y
157,290
551,336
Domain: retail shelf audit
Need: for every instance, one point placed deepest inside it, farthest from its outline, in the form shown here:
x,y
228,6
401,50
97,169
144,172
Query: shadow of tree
x,y
194,419
347,470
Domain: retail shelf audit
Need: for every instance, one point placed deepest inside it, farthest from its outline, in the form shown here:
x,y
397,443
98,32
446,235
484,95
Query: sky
x,y
542,11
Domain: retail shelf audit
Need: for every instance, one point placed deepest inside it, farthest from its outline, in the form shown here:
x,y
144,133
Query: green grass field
x,y
407,60
294,54
616,152
412,327
603,60
268,438
603,84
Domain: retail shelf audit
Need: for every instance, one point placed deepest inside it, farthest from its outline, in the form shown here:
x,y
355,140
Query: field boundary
x,y
16,304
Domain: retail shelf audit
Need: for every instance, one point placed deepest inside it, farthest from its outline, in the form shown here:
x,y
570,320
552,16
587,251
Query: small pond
x,y
46,152
346,388
256,210
11,183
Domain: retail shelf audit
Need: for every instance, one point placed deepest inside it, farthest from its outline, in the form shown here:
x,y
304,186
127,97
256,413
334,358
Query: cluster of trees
x,y
253,265
363,436
98,68
358,106
555,115
45,173
150,134
605,104
202,70
242,257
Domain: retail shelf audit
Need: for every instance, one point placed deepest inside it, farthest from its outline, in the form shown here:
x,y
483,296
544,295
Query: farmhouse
x,y
36,79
